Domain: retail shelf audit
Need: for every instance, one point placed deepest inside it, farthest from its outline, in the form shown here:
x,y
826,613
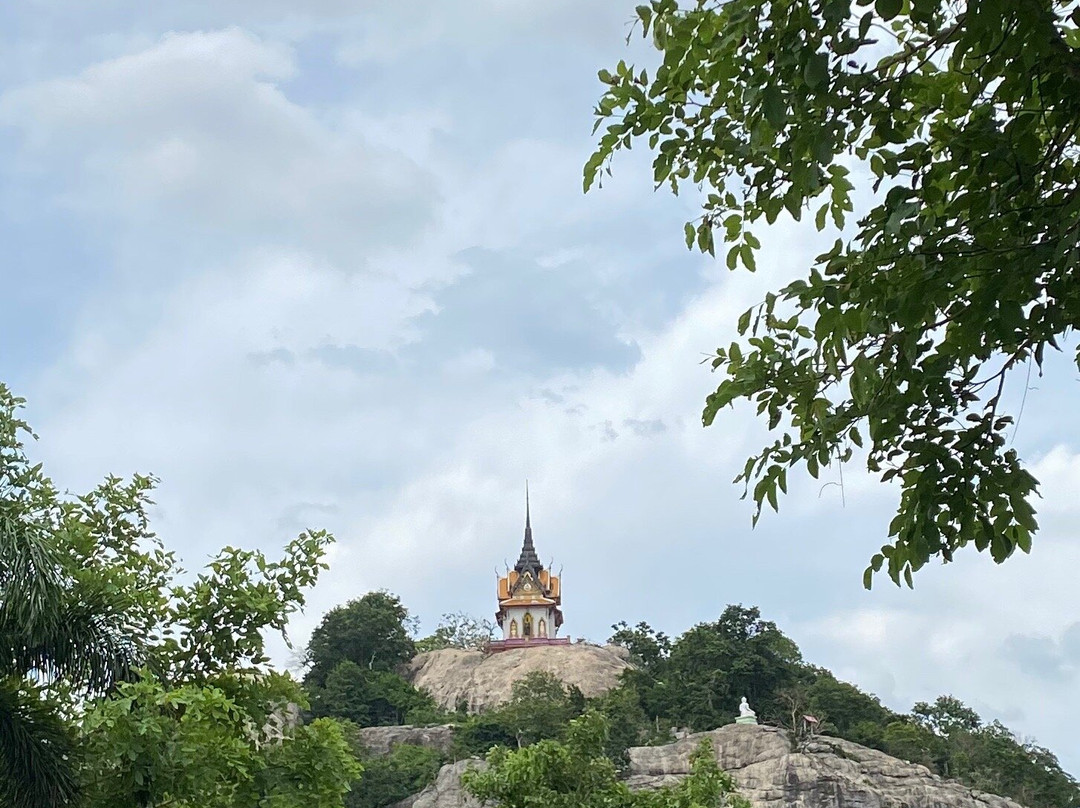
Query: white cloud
x,y
192,139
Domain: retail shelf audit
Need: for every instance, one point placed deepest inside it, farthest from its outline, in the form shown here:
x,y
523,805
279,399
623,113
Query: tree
x,y
540,707
576,774
947,715
459,630
628,725
407,770
370,632
208,722
958,277
846,708
913,742
713,665
120,685
647,646
372,698
65,631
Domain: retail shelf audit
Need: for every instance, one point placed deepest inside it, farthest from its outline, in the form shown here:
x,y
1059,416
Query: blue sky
x,y
329,264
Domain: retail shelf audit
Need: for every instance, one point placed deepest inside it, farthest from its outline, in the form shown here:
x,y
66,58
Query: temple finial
x,y
528,558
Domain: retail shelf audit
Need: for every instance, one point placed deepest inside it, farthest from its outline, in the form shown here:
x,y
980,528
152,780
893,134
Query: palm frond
x,y
36,750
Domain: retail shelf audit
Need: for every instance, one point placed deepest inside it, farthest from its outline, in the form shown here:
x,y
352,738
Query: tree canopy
x,y
124,682
961,119
370,631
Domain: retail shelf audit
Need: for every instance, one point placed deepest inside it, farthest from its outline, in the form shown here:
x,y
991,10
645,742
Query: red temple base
x,y
495,646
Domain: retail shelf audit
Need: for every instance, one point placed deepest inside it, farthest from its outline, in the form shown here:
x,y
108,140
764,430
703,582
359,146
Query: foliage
x,y
209,723
952,737
477,734
370,631
576,774
712,666
36,749
459,630
946,716
647,646
371,698
961,273
195,744
407,770
845,709
120,685
627,723
65,629
540,707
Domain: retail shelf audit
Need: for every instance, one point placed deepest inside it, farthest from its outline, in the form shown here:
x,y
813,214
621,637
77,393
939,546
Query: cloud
x,y
193,140
1043,657
530,319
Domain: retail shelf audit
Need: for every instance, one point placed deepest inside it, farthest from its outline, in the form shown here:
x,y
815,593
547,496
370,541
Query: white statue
x,y
746,715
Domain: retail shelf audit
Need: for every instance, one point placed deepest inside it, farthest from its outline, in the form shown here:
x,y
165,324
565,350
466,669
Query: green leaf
x,y
816,73
774,107
888,9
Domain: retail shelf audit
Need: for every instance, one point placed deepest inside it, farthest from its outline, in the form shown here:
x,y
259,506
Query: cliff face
x,y
484,681
823,773
380,740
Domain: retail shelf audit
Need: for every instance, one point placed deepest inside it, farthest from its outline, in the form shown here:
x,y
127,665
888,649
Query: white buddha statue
x,y
746,715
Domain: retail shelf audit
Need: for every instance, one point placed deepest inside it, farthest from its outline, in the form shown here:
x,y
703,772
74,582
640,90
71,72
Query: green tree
x,y
478,734
850,711
540,707
458,630
628,725
87,593
912,741
370,631
209,722
946,716
958,277
576,774
372,698
713,665
407,770
647,646
65,631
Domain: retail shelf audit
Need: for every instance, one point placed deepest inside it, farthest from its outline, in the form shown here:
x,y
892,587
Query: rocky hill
x,y
483,681
821,773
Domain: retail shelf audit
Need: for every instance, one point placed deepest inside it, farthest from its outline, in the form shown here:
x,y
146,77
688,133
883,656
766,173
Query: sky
x,y
329,265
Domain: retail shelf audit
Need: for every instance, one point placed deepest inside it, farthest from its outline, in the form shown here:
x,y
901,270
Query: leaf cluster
x,y
899,340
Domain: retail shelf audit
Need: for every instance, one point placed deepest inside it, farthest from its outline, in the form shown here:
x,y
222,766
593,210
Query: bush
x,y
386,780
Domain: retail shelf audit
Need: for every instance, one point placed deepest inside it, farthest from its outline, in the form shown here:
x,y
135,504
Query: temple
x,y
529,600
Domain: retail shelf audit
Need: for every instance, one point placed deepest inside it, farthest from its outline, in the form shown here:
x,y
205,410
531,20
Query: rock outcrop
x,y
483,681
822,773
380,740
446,791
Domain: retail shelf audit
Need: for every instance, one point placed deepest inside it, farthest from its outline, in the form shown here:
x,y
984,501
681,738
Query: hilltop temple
x,y
529,600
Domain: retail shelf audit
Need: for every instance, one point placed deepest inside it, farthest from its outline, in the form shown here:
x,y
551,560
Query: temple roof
x,y
528,561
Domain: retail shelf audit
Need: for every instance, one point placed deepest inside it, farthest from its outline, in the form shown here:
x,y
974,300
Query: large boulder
x,y
446,791
483,681
821,773
380,740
